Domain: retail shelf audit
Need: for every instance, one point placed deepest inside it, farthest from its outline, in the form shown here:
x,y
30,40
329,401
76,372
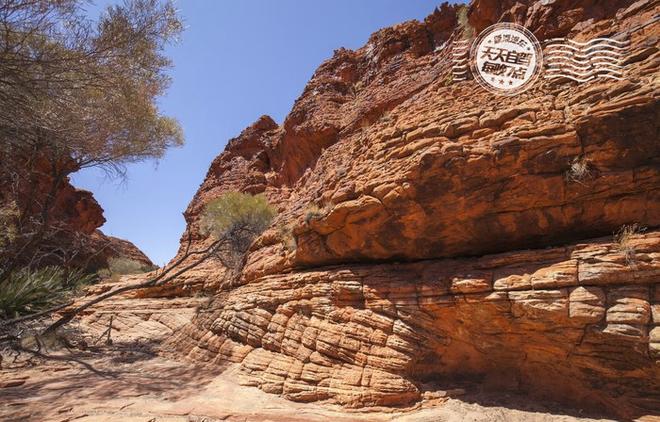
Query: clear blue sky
x,y
236,60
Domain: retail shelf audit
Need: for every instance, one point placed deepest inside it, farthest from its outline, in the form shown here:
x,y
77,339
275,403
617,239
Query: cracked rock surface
x,y
431,232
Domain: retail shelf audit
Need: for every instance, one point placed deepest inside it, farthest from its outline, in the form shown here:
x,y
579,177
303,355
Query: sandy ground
x,y
129,380
137,386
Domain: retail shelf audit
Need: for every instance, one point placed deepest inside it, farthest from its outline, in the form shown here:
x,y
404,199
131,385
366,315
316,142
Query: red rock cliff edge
x,y
427,229
79,215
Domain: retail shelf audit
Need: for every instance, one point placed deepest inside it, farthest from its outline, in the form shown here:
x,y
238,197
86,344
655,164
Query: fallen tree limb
x,y
9,323
159,280
248,217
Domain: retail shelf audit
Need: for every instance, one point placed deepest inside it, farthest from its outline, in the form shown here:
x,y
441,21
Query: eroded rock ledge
x,y
578,323
384,159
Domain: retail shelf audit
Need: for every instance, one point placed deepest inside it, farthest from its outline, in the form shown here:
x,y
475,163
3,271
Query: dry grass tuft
x,y
579,170
314,212
623,239
385,117
286,234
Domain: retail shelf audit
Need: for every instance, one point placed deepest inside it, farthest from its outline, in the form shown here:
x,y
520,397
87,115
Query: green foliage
x,y
27,291
75,93
463,22
95,82
127,266
236,219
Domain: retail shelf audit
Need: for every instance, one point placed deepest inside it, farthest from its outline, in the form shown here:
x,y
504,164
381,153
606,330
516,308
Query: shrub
x,y
463,22
449,79
623,239
232,220
8,215
104,273
237,218
75,93
27,291
123,266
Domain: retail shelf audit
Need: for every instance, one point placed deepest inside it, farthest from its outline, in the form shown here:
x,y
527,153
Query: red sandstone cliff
x,y
82,215
428,231
77,216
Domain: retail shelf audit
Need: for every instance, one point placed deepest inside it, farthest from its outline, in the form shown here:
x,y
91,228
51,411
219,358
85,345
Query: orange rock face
x,y
420,224
108,247
82,215
568,323
78,215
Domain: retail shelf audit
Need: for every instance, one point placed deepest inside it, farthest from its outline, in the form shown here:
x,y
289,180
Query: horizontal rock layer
x,y
563,323
385,159
419,167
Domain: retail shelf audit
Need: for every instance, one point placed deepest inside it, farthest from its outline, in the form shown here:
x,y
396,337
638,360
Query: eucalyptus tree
x,y
75,93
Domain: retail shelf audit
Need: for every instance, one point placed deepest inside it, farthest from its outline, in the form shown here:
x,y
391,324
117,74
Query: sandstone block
x,y
587,304
629,305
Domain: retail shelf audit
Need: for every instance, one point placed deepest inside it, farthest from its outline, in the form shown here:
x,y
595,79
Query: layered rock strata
x,y
579,322
430,231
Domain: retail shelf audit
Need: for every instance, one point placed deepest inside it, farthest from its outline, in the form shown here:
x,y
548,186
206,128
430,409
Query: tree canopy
x,y
75,93
82,89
